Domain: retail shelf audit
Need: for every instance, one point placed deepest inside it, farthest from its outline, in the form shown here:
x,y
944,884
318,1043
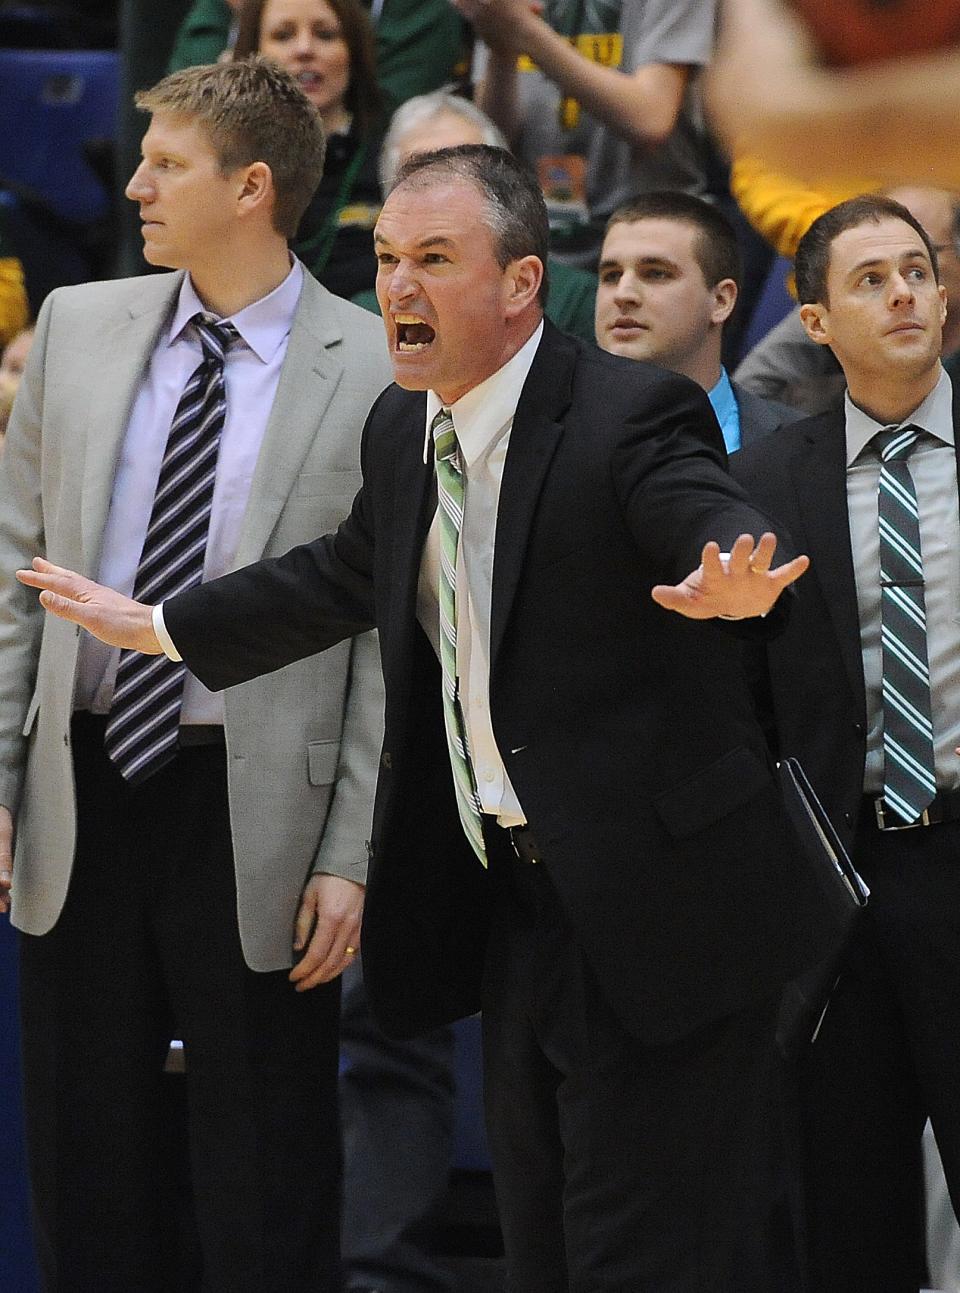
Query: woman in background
x,y
327,45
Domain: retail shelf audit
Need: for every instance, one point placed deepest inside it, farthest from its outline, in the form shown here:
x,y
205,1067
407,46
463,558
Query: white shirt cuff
x,y
163,637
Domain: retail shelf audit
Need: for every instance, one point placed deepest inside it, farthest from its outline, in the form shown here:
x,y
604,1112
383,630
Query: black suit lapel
x,y
819,476
415,501
537,428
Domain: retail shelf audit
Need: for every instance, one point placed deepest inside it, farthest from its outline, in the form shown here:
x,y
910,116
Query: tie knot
x,y
215,336
894,444
445,438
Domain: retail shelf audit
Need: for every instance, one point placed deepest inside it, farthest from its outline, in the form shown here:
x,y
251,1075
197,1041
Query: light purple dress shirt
x,y
252,372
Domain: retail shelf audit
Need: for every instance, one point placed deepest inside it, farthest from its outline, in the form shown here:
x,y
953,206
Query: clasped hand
x,y
737,587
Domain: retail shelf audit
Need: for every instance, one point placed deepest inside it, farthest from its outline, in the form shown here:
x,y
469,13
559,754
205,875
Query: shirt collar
x,y
481,414
725,406
934,415
263,325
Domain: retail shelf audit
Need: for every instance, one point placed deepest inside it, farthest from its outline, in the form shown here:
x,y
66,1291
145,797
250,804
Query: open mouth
x,y
412,333
308,80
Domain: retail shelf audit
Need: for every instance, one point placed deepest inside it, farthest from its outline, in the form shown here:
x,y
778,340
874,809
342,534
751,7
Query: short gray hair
x,y
516,213
427,107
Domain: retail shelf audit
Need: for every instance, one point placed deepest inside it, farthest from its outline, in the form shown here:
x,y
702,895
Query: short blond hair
x,y
253,112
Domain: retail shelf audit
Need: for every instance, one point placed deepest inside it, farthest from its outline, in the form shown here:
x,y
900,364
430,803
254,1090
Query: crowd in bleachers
x,y
604,99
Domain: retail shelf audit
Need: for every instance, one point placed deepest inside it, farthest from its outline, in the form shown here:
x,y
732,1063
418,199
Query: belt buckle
x,y
879,808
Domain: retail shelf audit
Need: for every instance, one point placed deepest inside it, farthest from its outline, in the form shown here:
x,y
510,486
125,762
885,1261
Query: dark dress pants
x,y
887,1057
147,949
618,1166
396,1105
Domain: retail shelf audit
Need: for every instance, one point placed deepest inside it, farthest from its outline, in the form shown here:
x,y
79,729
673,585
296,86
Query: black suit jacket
x,y
810,680
760,417
627,731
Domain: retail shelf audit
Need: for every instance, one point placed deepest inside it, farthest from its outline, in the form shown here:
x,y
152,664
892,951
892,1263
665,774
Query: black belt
x,y
524,845
944,807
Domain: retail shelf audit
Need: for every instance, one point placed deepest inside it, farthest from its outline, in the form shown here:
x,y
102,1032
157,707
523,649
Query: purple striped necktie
x,y
144,720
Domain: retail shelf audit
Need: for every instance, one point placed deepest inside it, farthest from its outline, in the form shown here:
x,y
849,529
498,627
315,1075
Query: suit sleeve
x,y
21,538
343,848
670,471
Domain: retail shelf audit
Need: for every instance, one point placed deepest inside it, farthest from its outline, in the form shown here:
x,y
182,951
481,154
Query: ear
x,y
724,299
255,188
522,279
815,320
943,305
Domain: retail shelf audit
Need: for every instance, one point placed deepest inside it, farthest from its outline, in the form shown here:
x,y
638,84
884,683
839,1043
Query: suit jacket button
x,y
386,760
858,728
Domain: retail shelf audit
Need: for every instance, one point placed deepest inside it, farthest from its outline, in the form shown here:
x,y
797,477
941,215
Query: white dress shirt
x,y
251,374
483,420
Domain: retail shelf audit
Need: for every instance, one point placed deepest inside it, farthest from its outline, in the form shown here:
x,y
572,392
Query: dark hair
x,y
254,112
813,253
715,248
363,99
517,214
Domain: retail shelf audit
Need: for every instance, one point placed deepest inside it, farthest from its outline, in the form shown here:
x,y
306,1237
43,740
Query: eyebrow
x,y
438,241
917,253
645,261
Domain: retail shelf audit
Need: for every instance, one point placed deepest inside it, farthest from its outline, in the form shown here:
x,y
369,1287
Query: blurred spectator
x,y
669,277
209,29
601,97
895,119
327,45
420,44
12,362
443,120
786,365
14,309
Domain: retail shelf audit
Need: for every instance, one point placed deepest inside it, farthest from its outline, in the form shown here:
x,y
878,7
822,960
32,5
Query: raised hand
x,y
109,616
739,587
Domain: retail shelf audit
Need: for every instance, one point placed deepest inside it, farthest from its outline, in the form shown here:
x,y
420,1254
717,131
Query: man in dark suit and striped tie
x,y
864,687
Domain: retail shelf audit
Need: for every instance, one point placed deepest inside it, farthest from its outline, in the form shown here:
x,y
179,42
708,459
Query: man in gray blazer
x,y
168,896
669,280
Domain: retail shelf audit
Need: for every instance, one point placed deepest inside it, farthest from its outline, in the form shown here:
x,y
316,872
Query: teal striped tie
x,y
450,512
908,783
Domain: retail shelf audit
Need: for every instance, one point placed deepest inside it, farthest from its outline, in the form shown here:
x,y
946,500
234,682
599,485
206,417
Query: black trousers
x,y
886,1058
396,1103
620,1166
147,949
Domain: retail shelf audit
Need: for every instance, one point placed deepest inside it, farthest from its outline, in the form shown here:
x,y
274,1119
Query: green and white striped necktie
x,y
450,512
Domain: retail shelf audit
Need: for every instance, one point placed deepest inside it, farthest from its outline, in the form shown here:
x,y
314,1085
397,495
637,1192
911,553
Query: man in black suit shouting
x,y
607,872
864,686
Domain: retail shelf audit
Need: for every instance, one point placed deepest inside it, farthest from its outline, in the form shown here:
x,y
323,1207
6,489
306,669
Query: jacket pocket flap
x,y
713,792
322,760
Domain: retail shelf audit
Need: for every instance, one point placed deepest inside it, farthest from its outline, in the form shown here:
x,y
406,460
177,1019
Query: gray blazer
x,y
302,743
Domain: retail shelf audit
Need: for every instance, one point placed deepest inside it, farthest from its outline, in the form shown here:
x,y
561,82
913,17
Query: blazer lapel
x,y
820,481
415,502
118,362
536,432
312,369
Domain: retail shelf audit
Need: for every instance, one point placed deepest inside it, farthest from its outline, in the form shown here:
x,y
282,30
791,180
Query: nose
x,y
627,290
303,44
138,189
402,285
901,290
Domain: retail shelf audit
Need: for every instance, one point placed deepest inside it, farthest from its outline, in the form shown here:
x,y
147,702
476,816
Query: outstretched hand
x,y
109,616
739,587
